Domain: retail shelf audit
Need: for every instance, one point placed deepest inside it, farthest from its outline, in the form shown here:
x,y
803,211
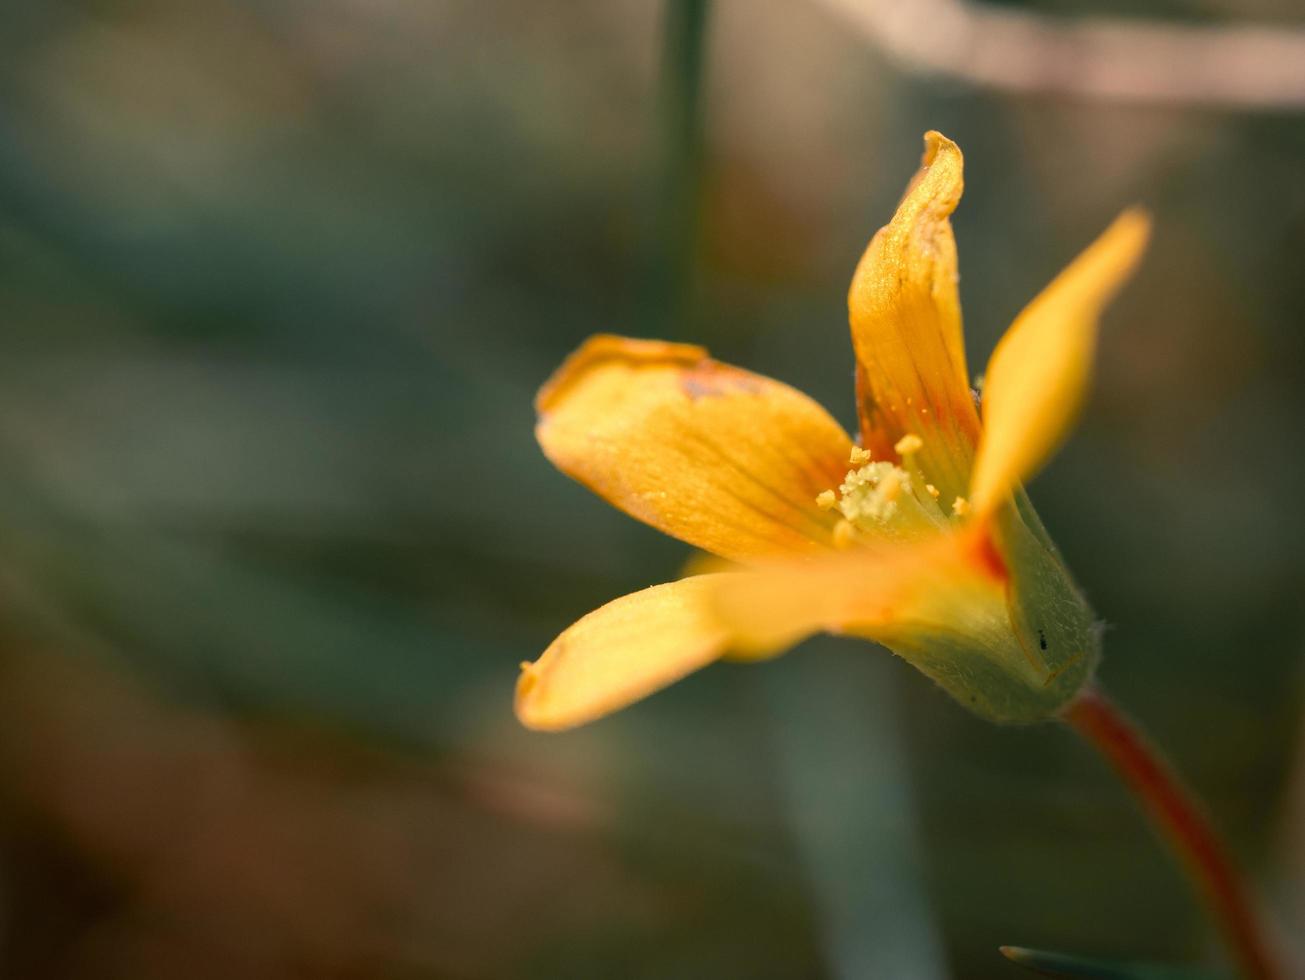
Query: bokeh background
x,y
278,281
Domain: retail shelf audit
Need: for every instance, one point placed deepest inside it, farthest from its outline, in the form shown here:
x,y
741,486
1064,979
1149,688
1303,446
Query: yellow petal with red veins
x,y
1039,372
727,460
622,652
906,327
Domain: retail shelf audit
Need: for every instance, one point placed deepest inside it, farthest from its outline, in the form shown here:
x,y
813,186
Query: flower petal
x,y
727,460
906,327
1011,642
620,653
868,592
1039,372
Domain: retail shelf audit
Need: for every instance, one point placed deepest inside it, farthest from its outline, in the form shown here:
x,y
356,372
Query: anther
x,y
859,456
909,443
826,500
960,506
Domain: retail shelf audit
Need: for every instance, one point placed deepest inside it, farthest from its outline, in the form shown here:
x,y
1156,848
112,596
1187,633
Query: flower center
x,y
882,499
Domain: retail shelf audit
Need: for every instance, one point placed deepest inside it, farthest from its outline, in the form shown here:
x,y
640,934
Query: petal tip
x,y
936,144
526,704
606,347
938,184
1038,374
619,654
1130,233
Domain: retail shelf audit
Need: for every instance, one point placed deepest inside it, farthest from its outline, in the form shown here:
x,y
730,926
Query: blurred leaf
x,y
1064,965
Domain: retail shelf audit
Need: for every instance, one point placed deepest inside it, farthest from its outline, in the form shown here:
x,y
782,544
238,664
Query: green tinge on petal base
x,y
1022,661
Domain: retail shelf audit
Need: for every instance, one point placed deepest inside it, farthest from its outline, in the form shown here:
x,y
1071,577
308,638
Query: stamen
x,y
909,443
844,535
872,491
960,506
880,498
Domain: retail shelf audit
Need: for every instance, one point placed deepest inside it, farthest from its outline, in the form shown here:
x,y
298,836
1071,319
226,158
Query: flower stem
x,y
1181,821
673,247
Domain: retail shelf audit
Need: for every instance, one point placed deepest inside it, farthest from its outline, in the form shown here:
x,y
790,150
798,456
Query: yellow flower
x,y
920,538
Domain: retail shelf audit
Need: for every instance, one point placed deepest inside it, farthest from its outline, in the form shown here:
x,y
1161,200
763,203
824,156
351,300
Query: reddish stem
x,y
1181,822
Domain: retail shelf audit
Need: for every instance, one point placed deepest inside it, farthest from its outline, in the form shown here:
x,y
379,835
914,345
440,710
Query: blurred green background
x,y
278,281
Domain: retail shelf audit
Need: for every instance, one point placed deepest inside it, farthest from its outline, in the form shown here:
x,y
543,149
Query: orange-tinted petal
x,y
1039,372
869,592
1011,642
906,327
727,460
620,653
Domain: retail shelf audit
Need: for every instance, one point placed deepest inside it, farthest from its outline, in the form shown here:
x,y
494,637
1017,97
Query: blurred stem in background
x,y
1181,822
852,810
672,247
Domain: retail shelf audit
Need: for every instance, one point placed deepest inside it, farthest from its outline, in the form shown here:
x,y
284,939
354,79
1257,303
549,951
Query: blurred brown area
x,y
144,839
277,283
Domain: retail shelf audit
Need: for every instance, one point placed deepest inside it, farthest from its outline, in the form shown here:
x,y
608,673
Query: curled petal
x,y
1039,372
727,460
620,653
906,326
